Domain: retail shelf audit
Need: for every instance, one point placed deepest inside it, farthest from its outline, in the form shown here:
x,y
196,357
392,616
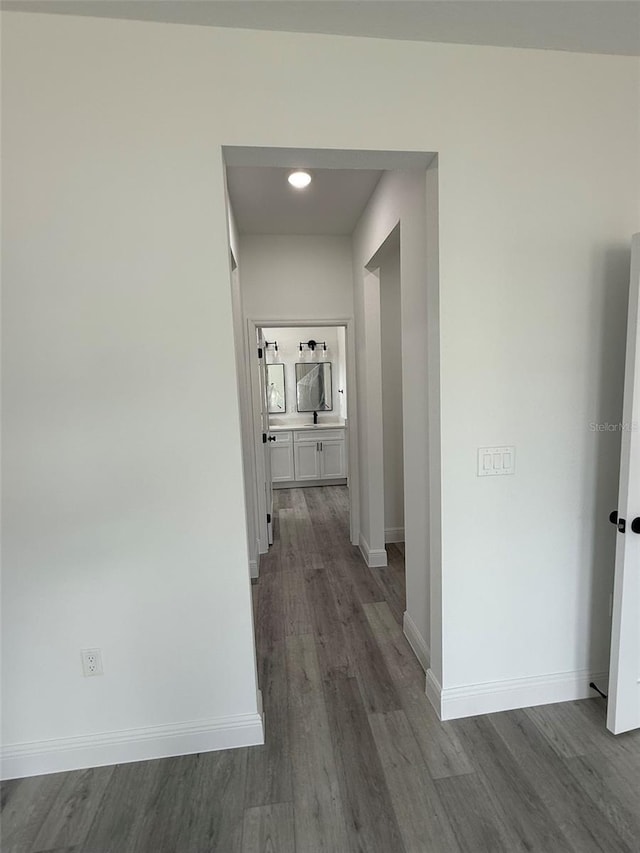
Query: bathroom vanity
x,y
308,443
308,455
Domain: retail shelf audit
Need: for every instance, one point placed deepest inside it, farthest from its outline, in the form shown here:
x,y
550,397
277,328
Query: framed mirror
x,y
276,389
313,387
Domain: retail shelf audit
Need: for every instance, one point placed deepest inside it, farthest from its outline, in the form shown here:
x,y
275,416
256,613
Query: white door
x,y
266,437
624,679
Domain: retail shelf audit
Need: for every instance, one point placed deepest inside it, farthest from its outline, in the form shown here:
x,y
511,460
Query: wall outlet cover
x,y
91,662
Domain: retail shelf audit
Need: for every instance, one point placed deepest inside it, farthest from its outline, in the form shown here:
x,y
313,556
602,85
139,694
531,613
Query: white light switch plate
x,y
496,461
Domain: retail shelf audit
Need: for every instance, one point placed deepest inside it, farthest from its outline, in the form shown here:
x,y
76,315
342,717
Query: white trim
x,y
119,747
253,569
434,692
374,558
416,641
452,703
394,534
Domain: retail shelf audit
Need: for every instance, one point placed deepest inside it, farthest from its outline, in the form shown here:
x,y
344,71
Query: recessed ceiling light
x,y
299,180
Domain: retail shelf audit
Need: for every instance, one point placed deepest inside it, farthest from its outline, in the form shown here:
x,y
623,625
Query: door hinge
x,y
259,352
264,438
268,518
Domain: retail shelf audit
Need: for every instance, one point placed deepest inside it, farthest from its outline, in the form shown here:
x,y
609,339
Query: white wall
x,y
122,489
391,345
296,278
124,522
288,339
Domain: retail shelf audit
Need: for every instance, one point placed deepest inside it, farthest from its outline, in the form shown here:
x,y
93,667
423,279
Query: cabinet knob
x,y
635,525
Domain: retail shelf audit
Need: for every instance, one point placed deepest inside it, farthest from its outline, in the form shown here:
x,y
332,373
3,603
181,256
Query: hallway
x,y
355,758
328,634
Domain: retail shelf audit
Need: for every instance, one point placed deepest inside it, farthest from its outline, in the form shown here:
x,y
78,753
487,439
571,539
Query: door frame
x,y
347,323
624,690
261,406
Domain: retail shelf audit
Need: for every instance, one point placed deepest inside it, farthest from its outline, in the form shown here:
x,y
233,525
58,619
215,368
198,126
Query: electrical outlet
x,y
91,662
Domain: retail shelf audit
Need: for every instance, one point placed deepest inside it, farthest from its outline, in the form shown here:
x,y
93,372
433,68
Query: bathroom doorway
x,y
303,436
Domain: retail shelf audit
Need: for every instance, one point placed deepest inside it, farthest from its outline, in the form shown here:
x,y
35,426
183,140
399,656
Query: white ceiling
x,y
589,26
263,202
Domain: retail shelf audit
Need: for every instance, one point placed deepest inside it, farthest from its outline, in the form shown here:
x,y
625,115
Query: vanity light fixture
x,y
311,345
299,179
271,346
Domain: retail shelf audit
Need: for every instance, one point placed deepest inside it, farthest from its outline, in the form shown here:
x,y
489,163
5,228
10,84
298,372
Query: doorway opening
x,y
349,252
385,282
302,432
391,352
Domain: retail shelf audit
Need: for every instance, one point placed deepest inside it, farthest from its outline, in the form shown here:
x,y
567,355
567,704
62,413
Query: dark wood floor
x,y
355,758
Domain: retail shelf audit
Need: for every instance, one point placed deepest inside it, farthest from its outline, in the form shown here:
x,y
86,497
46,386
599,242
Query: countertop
x,y
304,427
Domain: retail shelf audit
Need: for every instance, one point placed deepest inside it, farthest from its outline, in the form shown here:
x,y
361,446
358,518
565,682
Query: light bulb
x,y
299,179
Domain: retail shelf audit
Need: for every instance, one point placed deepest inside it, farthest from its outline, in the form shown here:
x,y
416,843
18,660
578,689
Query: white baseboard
x,y
253,569
434,692
375,558
121,747
259,703
416,641
490,697
394,534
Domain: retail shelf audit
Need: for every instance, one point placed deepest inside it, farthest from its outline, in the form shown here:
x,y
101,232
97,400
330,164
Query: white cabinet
x,y
332,458
306,459
308,455
281,457
319,454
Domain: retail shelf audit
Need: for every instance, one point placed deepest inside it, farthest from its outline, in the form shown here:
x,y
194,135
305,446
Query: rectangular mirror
x,y
313,387
276,389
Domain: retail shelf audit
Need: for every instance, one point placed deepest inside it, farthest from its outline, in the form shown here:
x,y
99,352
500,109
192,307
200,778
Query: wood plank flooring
x,y
355,758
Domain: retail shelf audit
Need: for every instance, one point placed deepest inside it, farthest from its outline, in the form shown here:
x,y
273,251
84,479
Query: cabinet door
x,y
282,461
306,460
332,458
